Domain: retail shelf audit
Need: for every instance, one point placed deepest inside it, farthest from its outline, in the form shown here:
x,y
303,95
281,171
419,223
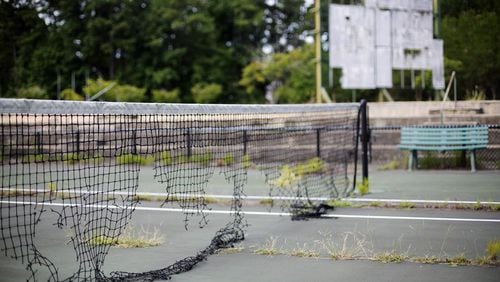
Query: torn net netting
x,y
79,162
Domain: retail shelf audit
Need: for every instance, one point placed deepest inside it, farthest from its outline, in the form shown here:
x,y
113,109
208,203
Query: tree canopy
x,y
224,51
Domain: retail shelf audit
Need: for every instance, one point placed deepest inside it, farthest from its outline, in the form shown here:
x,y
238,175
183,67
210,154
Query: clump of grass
x,y
314,165
390,257
426,260
232,250
376,204
71,158
406,205
228,159
269,248
36,158
16,193
165,158
52,187
130,239
96,160
245,162
287,178
203,159
458,260
339,203
303,252
493,249
266,202
349,245
142,198
102,240
392,165
134,159
363,188
210,200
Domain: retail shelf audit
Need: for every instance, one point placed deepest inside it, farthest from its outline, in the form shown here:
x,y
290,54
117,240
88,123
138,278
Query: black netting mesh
x,y
82,164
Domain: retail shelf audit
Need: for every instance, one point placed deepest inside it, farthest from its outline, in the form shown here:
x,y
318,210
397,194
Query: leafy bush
x,y
126,93
32,92
165,96
206,93
69,94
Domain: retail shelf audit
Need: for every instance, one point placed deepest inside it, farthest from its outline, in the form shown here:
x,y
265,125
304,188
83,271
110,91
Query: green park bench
x,y
443,138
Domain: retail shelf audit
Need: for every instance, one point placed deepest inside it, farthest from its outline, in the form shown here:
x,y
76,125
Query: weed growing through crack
x,y
269,248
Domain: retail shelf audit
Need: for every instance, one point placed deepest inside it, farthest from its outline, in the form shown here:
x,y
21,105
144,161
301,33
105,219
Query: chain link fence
x,y
385,154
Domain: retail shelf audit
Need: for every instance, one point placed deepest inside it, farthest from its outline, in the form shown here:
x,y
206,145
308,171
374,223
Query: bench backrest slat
x,y
444,138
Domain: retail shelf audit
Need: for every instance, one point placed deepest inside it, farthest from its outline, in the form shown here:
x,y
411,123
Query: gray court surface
x,y
288,243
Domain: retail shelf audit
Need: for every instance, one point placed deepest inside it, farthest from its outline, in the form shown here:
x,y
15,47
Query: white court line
x,y
262,213
276,198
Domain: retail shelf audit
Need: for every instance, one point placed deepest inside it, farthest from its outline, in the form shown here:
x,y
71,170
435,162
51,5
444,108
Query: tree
x,y
471,30
290,76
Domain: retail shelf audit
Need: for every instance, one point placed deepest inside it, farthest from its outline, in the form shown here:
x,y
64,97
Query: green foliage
x,y
69,94
292,74
134,159
471,37
165,96
127,93
32,92
206,93
363,188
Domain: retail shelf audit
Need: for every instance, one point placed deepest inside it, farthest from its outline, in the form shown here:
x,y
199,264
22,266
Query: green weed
x,y
493,249
458,260
134,159
245,162
406,205
363,187
267,202
390,257
165,158
37,158
392,165
269,248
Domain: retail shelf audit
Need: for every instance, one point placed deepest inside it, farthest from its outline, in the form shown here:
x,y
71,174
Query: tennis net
x,y
86,157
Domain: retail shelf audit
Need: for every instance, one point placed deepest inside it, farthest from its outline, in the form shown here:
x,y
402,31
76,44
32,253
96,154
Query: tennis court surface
x,y
76,182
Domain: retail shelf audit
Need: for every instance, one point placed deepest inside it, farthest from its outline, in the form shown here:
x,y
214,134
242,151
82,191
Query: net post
x,y
365,137
38,142
318,143
245,140
188,142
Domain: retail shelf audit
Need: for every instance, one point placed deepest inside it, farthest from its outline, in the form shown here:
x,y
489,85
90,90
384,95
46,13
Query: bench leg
x,y
413,160
473,160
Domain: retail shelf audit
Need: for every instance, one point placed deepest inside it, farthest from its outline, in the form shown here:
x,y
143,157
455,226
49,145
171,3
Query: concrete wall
x,y
429,112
